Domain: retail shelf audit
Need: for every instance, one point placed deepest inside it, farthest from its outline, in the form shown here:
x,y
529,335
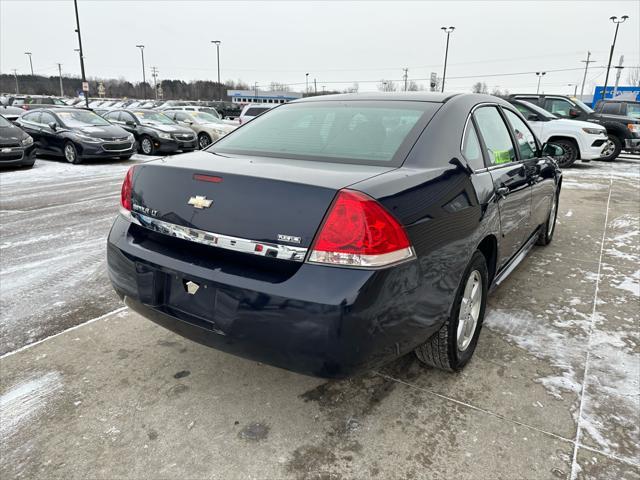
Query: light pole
x,y
217,43
144,78
575,88
84,78
539,75
31,63
255,91
15,74
448,31
306,75
613,46
60,77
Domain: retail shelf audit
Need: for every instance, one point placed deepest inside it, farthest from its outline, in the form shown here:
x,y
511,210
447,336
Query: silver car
x,y
207,127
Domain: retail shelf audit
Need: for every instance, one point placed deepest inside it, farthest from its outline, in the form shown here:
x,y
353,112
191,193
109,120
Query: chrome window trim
x,y
236,244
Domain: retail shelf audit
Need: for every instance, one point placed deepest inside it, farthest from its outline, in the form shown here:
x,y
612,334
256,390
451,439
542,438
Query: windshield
x,y
633,110
81,118
361,132
4,122
204,117
582,105
152,118
527,107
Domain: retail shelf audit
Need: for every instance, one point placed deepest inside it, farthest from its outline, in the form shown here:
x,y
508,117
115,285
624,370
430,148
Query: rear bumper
x,y
323,321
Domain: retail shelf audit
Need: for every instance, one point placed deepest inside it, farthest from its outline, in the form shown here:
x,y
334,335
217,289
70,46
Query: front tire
x,y
146,146
204,140
614,147
571,153
451,347
71,153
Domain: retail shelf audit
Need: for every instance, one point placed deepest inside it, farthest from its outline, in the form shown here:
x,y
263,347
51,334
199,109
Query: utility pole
x,y
60,76
154,74
217,43
613,46
539,75
84,78
255,91
448,31
144,78
315,86
586,67
619,68
15,74
406,77
306,76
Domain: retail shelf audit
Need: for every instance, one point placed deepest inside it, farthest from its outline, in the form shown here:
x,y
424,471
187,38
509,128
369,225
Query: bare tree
x,y
633,77
278,87
387,86
414,87
496,91
353,88
479,87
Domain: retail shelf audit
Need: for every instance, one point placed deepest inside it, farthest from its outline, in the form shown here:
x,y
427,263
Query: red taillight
x,y
125,193
24,107
359,232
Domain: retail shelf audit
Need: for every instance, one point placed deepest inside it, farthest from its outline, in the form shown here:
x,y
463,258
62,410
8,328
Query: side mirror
x,y
456,162
552,150
574,112
52,126
532,117
130,123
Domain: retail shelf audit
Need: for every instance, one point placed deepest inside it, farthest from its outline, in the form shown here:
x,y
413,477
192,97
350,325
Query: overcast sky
x,y
336,42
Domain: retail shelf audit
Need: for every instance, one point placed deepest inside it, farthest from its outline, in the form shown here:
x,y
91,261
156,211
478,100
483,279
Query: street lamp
x,y
84,78
575,88
255,91
31,63
144,78
448,31
217,43
307,82
613,46
539,75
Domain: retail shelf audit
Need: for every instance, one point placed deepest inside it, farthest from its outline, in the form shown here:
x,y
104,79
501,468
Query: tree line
x,y
118,88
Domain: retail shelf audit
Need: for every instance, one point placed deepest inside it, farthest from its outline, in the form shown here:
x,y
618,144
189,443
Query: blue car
x,y
333,234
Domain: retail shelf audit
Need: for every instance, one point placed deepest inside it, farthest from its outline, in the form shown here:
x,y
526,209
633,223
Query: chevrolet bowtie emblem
x,y
192,287
200,202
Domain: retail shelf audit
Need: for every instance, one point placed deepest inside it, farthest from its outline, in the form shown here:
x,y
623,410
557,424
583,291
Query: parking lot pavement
x,y
552,391
55,218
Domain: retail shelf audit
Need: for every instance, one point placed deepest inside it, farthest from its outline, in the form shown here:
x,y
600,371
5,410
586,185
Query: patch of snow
x,y
25,400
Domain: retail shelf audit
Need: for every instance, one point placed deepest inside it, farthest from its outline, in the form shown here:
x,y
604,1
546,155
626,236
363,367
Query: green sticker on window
x,y
501,156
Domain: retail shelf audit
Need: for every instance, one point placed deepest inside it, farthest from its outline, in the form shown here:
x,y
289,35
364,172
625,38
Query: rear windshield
x,y
361,132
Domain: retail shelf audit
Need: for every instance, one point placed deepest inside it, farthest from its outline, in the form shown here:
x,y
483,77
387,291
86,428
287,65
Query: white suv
x,y
585,141
252,110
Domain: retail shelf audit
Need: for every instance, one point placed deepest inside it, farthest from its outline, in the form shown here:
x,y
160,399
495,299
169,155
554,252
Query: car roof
x,y
435,97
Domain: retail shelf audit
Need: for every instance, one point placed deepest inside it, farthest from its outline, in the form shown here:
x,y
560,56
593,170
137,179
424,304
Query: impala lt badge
x,y
200,202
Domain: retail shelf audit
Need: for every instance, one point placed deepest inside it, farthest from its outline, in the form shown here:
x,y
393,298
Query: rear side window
x,y
254,112
360,132
558,106
112,116
471,148
524,136
612,108
33,117
495,135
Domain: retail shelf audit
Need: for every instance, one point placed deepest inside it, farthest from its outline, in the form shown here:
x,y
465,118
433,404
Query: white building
x,y
260,96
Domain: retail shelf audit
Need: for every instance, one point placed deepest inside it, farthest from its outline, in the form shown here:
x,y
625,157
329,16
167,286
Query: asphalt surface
x,y
552,392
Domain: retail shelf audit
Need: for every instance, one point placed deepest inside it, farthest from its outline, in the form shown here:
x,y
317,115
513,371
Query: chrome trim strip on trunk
x,y
263,249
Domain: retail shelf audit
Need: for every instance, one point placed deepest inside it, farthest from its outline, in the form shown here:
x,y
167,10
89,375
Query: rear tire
x,y
613,150
548,229
451,347
71,153
571,153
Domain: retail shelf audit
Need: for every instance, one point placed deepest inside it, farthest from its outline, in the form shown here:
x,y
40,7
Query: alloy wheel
x,y
69,153
204,141
609,149
469,310
146,146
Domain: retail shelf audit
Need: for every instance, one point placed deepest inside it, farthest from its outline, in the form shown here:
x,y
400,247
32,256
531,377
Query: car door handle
x,y
502,191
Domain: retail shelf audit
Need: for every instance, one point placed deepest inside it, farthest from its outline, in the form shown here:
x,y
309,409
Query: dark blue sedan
x,y
333,234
